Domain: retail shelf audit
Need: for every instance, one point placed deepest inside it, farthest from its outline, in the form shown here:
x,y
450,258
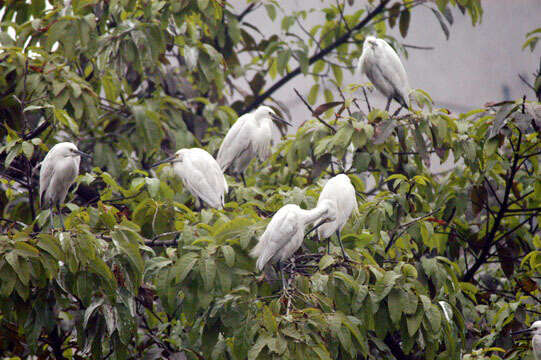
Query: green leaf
x,y
229,255
100,268
271,11
414,321
28,149
312,96
207,268
404,22
184,265
394,305
90,310
338,75
325,262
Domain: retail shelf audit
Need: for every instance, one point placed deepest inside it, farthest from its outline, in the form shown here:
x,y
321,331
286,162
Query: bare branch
x,y
312,111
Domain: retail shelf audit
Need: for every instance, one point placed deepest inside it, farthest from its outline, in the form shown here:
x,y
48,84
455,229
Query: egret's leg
x,y
243,179
388,104
328,246
51,217
281,267
398,110
61,218
341,246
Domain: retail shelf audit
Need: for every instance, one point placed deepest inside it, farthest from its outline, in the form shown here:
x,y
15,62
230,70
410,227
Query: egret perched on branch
x,y
383,67
536,339
285,233
58,171
249,137
340,194
200,174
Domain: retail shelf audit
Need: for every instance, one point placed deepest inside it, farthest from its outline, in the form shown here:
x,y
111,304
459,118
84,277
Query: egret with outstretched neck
x,y
249,137
58,171
285,233
200,174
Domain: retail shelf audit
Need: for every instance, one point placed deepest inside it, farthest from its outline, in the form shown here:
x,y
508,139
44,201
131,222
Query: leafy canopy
x,y
138,273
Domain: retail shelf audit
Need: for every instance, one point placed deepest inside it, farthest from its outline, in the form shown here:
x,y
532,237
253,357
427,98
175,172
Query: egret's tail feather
x,y
262,257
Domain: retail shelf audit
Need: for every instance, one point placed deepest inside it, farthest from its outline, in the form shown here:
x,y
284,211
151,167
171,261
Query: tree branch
x,y
318,56
312,111
489,238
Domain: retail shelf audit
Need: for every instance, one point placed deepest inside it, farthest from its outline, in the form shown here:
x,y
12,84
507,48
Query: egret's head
x,y
329,210
265,112
534,329
370,42
67,149
178,157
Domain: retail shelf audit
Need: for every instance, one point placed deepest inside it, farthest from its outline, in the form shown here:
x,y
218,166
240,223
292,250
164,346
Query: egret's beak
x,y
168,160
522,331
279,120
321,222
83,154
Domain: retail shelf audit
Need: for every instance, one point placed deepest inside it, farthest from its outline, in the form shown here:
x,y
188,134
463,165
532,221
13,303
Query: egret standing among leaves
x,y
536,339
200,174
285,233
249,137
58,171
383,67
340,194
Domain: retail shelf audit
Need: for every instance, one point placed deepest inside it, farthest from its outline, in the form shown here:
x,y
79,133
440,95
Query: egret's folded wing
x,y
46,173
393,71
214,174
199,186
235,142
277,234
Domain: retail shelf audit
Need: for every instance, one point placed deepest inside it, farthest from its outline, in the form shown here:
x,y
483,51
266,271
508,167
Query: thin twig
x,y
312,111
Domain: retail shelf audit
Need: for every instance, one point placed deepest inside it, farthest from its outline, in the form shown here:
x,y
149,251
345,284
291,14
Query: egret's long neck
x,y
309,216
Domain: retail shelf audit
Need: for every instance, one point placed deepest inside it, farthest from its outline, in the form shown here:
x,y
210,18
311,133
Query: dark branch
x,y
312,111
318,56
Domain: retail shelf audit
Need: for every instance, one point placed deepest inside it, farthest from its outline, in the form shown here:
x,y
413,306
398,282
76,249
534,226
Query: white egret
x,y
285,233
383,67
58,171
536,339
249,137
340,194
200,174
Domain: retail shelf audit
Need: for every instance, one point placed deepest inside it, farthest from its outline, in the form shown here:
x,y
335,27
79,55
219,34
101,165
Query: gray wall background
x,y
477,64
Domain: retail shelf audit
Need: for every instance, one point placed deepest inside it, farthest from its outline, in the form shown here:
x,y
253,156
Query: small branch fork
x,y
400,229
312,111
491,236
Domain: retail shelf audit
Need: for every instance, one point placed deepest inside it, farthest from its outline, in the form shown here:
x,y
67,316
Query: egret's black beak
x,y
279,120
522,331
168,160
83,154
321,222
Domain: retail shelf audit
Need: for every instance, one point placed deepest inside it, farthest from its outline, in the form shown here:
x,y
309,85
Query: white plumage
x,y
383,67
200,174
285,233
58,171
535,329
249,137
339,193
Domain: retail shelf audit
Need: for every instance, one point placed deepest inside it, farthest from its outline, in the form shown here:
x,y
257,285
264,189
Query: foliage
x,y
139,274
